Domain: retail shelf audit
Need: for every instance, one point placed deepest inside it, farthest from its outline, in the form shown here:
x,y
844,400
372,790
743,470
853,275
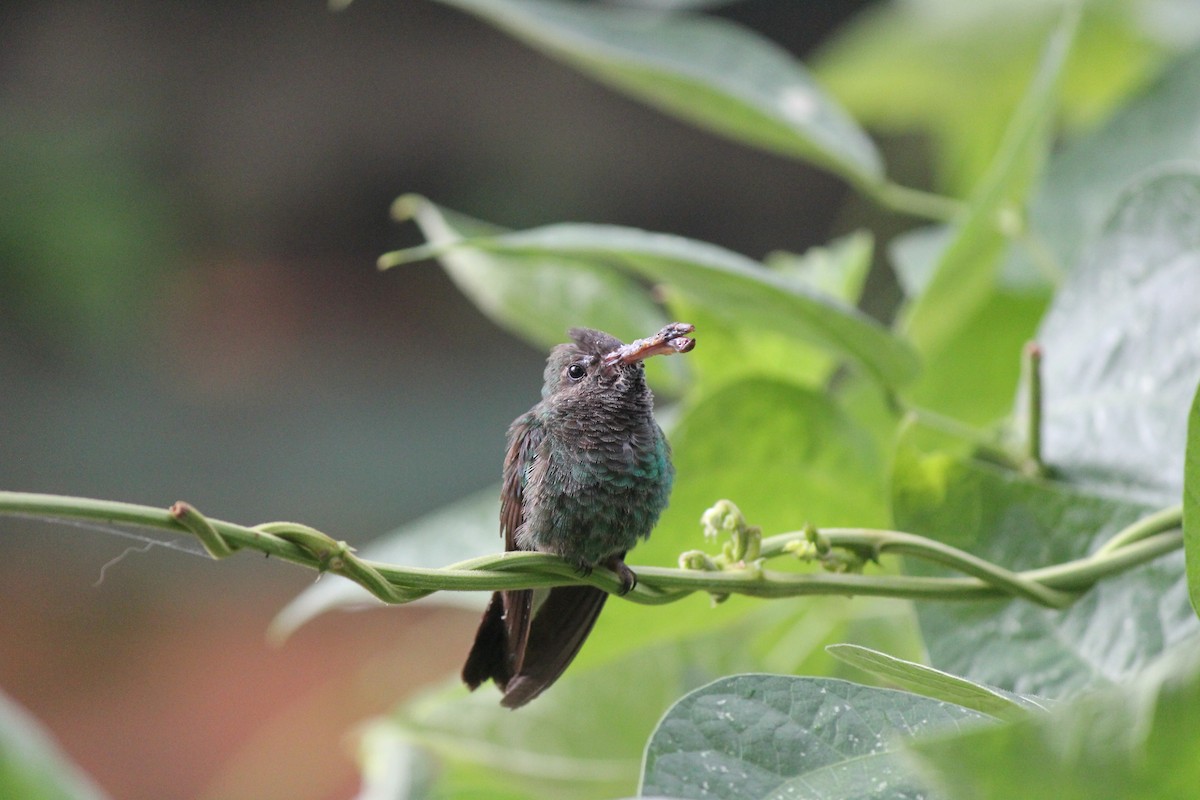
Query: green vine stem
x,y
1055,586
1031,380
915,202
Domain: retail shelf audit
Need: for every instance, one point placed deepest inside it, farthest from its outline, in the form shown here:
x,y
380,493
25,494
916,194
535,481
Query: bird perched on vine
x,y
586,475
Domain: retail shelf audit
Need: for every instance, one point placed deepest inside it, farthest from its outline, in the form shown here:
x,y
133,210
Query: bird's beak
x,y
670,340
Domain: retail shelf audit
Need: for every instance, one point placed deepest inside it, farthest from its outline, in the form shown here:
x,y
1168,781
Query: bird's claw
x,y
625,575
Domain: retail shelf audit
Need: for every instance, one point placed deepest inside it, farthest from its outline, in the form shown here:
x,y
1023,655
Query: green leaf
x,y
930,682
1122,356
583,738
1134,742
736,350
774,736
957,70
965,274
705,70
1121,362
1082,183
838,269
974,376
538,298
783,453
31,765
465,529
1191,503
1118,627
724,283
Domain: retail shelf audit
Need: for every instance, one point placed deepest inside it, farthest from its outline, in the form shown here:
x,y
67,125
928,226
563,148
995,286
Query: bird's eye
x,y
576,372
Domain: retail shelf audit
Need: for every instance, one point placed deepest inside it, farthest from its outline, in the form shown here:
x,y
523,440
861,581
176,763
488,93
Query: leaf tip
x,y
406,206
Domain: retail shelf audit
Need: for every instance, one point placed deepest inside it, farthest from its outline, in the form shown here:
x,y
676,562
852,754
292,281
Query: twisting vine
x,y
843,554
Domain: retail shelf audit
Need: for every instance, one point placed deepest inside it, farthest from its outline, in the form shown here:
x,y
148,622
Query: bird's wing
x,y
499,649
524,437
521,653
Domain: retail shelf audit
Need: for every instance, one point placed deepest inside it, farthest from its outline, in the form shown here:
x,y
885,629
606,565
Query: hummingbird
x,y
586,475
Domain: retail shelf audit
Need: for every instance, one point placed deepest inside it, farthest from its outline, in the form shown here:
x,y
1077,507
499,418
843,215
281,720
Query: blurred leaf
x,y
958,70
539,298
705,70
582,739
1191,503
1122,347
674,5
974,377
31,765
728,285
783,453
461,530
86,230
1082,182
965,273
737,349
392,767
930,682
766,736
1137,741
915,253
796,637
838,269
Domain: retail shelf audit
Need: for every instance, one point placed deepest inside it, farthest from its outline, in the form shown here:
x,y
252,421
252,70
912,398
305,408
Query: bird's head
x,y
596,363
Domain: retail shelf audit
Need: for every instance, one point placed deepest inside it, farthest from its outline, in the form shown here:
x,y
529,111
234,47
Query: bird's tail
x,y
524,662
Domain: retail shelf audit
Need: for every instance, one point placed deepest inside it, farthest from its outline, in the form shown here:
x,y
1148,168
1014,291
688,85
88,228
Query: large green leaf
x,y
965,272
1122,346
974,376
539,298
1191,503
958,69
724,283
1113,631
735,350
1122,360
31,765
1082,183
1134,742
705,70
582,739
775,736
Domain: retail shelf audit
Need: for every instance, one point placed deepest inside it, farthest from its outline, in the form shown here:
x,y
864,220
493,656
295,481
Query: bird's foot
x,y
627,576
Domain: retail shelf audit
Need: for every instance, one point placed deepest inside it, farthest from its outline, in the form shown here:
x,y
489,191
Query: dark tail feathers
x,y
557,631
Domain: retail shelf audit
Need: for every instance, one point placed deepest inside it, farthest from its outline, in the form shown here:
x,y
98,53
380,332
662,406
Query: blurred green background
x,y
193,197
